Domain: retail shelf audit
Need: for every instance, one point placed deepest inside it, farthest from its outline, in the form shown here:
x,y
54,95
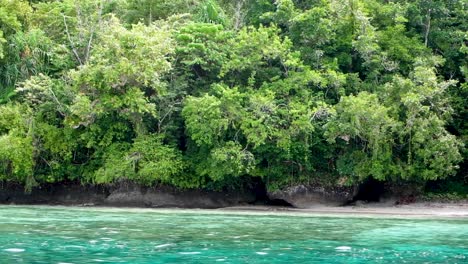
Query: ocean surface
x,y
42,234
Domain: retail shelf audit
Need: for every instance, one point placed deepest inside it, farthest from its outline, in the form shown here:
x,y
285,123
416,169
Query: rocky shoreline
x,y
133,195
124,194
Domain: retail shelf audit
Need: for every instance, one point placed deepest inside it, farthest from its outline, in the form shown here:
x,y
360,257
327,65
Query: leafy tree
x,y
127,65
146,161
400,136
211,93
13,16
16,148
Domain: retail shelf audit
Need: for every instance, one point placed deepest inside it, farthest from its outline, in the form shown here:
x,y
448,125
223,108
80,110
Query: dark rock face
x,y
123,195
66,194
302,196
134,195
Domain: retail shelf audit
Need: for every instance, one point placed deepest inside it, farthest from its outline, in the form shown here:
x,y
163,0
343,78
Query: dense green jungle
x,y
218,94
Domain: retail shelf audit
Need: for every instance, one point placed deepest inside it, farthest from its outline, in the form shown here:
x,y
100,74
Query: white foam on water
x,y
74,246
343,248
14,250
164,245
67,237
261,253
219,260
64,263
190,253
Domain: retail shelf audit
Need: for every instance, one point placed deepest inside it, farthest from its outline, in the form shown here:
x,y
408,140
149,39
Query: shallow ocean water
x,y
45,234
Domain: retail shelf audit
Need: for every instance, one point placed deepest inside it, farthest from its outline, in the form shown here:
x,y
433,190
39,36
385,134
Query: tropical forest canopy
x,y
215,93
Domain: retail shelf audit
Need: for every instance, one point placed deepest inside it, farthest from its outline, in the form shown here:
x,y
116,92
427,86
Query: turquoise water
x,y
96,235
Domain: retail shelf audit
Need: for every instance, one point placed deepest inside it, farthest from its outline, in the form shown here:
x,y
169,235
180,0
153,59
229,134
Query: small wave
x,y
190,253
14,250
163,245
343,248
261,253
67,237
74,246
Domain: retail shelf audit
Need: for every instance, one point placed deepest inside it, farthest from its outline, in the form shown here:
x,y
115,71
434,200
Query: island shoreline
x,y
417,210
244,200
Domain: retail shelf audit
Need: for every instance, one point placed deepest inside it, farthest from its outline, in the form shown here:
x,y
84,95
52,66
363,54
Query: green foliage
x,y
451,190
16,145
204,119
412,124
148,11
229,160
209,11
33,53
146,161
123,68
362,121
212,93
13,16
444,196
201,51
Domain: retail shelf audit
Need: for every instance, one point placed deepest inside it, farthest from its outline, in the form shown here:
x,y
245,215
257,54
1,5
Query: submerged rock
x,y
303,196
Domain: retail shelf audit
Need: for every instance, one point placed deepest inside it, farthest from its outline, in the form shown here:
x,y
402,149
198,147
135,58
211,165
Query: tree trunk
x,y
428,27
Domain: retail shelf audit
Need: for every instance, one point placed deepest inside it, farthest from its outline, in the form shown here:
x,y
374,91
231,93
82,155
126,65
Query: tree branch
x,y
71,41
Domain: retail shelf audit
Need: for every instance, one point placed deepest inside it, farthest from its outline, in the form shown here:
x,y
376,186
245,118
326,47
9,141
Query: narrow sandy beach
x,y
457,210
415,210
